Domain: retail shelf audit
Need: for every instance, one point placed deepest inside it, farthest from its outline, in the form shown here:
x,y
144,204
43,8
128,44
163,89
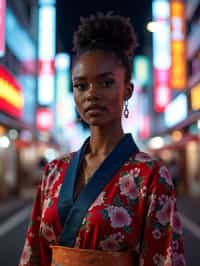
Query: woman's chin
x,y
97,122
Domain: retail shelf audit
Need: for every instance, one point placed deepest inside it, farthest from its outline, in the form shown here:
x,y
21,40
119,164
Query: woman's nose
x,y
92,86
93,92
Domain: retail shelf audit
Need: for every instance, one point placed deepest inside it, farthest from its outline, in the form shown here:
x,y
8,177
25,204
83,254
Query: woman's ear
x,y
129,91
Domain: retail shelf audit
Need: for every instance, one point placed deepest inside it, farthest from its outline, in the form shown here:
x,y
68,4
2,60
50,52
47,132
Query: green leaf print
x,y
132,160
150,164
105,214
137,181
117,201
127,229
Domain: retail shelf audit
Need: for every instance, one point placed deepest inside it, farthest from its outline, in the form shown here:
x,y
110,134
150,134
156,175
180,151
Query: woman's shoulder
x,y
157,174
54,170
154,163
143,159
58,163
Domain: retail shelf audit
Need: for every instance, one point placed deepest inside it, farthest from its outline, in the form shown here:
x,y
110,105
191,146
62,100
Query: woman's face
x,y
99,88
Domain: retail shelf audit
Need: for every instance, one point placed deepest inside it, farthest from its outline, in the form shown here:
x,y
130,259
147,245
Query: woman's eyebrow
x,y
101,75
78,78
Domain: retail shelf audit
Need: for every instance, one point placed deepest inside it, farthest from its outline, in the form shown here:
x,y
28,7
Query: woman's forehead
x,y
95,63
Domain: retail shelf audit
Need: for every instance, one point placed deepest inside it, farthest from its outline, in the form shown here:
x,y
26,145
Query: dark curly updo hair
x,y
110,33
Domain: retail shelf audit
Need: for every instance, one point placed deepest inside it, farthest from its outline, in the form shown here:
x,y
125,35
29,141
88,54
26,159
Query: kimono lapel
x,y
72,212
65,200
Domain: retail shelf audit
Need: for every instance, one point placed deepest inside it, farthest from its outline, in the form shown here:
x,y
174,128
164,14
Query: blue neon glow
x,y
18,39
176,111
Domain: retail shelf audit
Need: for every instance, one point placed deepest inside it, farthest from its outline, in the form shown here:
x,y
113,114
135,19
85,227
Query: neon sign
x,y
178,45
11,97
161,55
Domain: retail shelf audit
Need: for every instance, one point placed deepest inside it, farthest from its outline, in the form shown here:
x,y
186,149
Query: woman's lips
x,y
95,109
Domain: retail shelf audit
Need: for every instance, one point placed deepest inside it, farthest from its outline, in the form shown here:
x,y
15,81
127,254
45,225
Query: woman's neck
x,y
103,140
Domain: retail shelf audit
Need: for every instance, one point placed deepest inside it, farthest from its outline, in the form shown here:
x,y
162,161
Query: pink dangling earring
x,y
126,111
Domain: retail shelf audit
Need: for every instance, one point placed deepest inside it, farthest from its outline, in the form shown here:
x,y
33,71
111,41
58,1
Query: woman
x,y
107,197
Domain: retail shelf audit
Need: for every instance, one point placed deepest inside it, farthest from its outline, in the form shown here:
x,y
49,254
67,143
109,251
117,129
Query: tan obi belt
x,y
64,256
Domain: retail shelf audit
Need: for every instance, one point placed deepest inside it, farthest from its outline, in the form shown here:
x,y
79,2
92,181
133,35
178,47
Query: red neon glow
x,y
162,92
44,119
46,67
145,127
11,97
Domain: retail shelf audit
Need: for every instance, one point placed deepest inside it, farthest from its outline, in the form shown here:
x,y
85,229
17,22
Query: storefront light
x,y
44,136
154,26
13,134
2,130
198,124
177,135
26,135
156,143
4,142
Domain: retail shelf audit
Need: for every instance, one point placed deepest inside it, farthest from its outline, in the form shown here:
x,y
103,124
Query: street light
x,y
154,26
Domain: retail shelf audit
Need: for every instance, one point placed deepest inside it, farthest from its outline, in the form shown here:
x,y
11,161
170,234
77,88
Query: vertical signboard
x,y
195,97
46,52
176,111
65,106
2,26
161,55
178,70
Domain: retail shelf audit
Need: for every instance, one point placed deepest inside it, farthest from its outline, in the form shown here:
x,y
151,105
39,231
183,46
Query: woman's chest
x,y
118,208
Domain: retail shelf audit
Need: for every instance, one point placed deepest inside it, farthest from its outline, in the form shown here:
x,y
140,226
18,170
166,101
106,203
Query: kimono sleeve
x,y
162,242
36,248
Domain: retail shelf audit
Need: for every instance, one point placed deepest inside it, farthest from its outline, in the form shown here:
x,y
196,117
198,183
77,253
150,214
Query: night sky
x,y
69,12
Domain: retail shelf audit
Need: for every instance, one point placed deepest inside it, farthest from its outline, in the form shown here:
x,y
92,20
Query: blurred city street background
x,y
39,122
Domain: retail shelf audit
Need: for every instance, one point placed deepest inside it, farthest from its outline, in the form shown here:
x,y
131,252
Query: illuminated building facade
x,y
176,136
18,37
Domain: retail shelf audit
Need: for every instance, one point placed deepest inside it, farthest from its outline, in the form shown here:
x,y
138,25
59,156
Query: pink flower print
x,y
46,205
158,259
152,204
169,251
135,172
143,157
164,173
26,254
176,223
119,217
143,192
168,260
47,232
163,215
53,176
178,259
109,245
175,245
118,236
162,199
141,263
112,242
57,192
128,187
78,242
156,234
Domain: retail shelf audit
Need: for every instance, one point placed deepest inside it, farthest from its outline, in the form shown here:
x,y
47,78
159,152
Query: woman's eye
x,y
80,86
107,83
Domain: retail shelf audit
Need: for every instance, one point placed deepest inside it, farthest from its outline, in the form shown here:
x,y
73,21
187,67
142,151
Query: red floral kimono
x,y
128,204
